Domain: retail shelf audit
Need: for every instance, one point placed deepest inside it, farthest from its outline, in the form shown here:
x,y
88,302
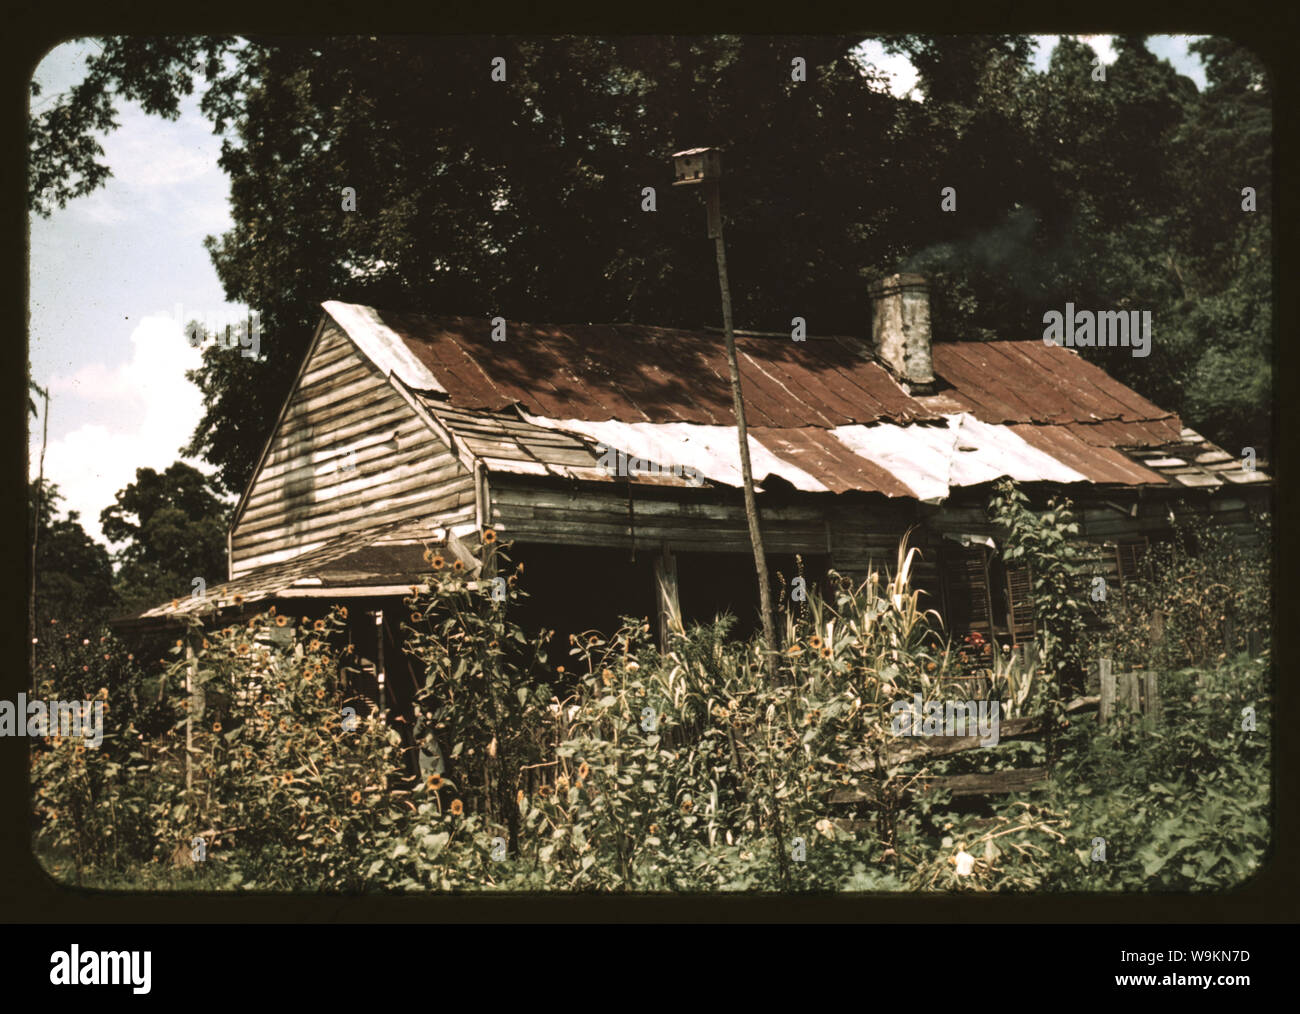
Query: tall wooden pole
x,y
738,403
191,681
36,531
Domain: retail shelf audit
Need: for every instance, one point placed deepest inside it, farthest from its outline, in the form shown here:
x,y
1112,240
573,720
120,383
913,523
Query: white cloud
x,y
148,151
100,208
902,75
144,410
1102,45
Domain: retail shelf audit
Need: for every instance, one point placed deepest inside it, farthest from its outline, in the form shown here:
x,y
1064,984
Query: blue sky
x,y
109,271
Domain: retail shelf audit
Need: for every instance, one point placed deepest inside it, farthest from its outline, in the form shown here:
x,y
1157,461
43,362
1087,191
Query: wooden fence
x,y
1138,691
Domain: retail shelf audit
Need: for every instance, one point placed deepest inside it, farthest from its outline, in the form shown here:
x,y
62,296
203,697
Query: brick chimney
x,y
900,326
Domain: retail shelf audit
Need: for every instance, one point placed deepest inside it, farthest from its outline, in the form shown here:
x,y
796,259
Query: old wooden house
x,y
607,455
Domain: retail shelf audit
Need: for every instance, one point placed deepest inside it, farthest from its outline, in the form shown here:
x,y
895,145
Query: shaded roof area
x,y
381,560
635,373
824,415
631,372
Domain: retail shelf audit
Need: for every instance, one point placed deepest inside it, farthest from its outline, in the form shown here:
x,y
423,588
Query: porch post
x,y
669,608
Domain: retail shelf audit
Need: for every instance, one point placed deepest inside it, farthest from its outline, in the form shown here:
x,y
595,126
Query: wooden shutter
x,y
966,580
1130,559
1020,601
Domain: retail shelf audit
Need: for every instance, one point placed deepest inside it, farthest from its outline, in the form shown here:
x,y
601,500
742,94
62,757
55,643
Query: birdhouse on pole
x,y
697,165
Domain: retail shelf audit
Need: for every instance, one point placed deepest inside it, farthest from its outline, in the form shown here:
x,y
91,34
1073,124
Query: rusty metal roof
x,y
384,559
1027,381
633,373
824,415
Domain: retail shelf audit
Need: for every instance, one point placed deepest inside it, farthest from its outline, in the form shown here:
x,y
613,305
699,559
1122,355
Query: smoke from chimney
x,y
900,326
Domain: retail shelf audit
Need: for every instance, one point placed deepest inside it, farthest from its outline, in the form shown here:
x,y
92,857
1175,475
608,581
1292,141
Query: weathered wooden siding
x,y
348,452
851,533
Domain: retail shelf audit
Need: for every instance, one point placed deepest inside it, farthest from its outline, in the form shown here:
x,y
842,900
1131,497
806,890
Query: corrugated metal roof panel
x,y
378,556
823,415
630,373
1033,382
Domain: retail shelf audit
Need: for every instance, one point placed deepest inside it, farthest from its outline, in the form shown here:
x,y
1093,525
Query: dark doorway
x,y
710,584
571,590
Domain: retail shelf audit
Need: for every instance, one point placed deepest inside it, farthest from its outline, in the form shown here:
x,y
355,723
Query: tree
x,y
173,525
74,573
523,197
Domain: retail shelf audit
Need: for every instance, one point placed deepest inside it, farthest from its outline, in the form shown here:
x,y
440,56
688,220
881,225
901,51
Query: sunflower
x,y
489,536
814,642
355,797
286,778
437,563
318,625
687,805
320,694
281,621
457,807
80,749
216,726
343,612
559,668
795,650
417,616
826,652
583,770
434,782
313,645
241,649
238,600
545,792
428,555
457,566
592,641
271,610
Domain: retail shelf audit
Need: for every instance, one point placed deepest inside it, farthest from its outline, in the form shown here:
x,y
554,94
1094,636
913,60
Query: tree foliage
x,y
74,576
523,197
173,525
